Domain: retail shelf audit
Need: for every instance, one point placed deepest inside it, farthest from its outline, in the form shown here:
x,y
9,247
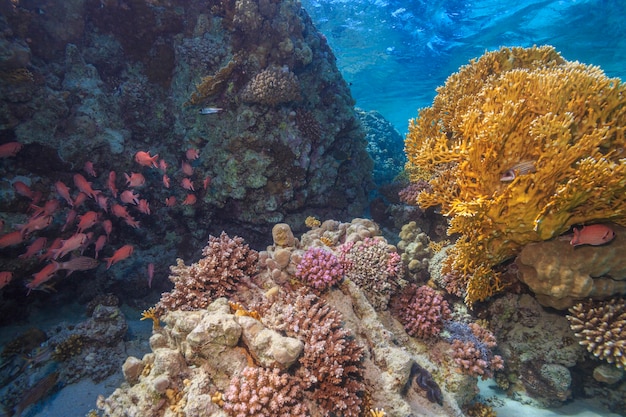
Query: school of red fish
x,y
88,216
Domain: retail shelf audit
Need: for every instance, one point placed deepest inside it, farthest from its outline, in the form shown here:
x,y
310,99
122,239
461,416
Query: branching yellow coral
x,y
520,145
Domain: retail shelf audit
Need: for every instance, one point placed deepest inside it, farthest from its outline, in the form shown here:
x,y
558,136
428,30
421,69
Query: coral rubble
x,y
519,146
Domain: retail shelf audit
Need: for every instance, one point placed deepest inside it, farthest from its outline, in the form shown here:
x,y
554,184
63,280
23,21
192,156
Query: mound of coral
x,y
519,146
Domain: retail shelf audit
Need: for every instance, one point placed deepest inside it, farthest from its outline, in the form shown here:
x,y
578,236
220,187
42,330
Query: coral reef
x,y
560,274
272,86
319,268
374,266
601,326
422,311
264,393
415,250
517,149
472,347
225,263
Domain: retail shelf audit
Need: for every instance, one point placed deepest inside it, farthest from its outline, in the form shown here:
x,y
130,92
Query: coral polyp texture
x,y
225,263
263,392
272,86
601,326
423,311
518,146
319,268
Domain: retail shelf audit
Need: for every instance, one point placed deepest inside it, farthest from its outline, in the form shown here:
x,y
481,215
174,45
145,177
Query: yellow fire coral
x,y
518,146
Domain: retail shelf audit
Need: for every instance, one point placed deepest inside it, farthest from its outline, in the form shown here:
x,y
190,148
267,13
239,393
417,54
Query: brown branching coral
x,y
212,84
601,326
226,262
264,392
331,363
272,86
518,146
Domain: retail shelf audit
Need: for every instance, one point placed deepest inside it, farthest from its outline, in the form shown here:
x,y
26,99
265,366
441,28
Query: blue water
x,y
394,53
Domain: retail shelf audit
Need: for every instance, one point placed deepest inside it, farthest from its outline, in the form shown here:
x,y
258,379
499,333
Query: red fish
x,y
192,154
119,211
186,168
83,185
131,222
5,278
64,192
187,184
170,201
10,149
42,276
100,242
144,159
70,244
10,239
206,182
143,206
89,169
103,203
111,183
119,255
150,274
190,200
69,219
129,197
163,165
135,179
35,247
34,224
56,244
107,225
87,220
80,199
48,209
166,181
594,234
23,190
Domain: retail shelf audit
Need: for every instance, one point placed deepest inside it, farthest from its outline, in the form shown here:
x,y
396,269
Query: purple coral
x,y
423,311
319,268
263,392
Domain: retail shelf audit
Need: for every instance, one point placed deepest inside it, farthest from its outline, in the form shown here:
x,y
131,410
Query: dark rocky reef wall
x,y
250,84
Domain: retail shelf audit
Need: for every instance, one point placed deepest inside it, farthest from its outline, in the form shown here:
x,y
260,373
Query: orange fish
x,y
186,168
50,207
187,184
88,168
80,199
170,201
69,219
129,197
166,181
111,183
70,244
64,192
144,159
135,179
83,185
189,200
34,248
594,234
87,220
42,276
5,278
10,239
206,182
103,203
119,255
143,206
192,154
10,149
131,222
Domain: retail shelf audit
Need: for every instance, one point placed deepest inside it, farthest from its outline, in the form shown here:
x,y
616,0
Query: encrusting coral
x,y
226,261
601,326
519,146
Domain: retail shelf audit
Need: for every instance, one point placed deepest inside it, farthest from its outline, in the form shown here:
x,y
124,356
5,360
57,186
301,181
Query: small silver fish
x,y
210,110
521,168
